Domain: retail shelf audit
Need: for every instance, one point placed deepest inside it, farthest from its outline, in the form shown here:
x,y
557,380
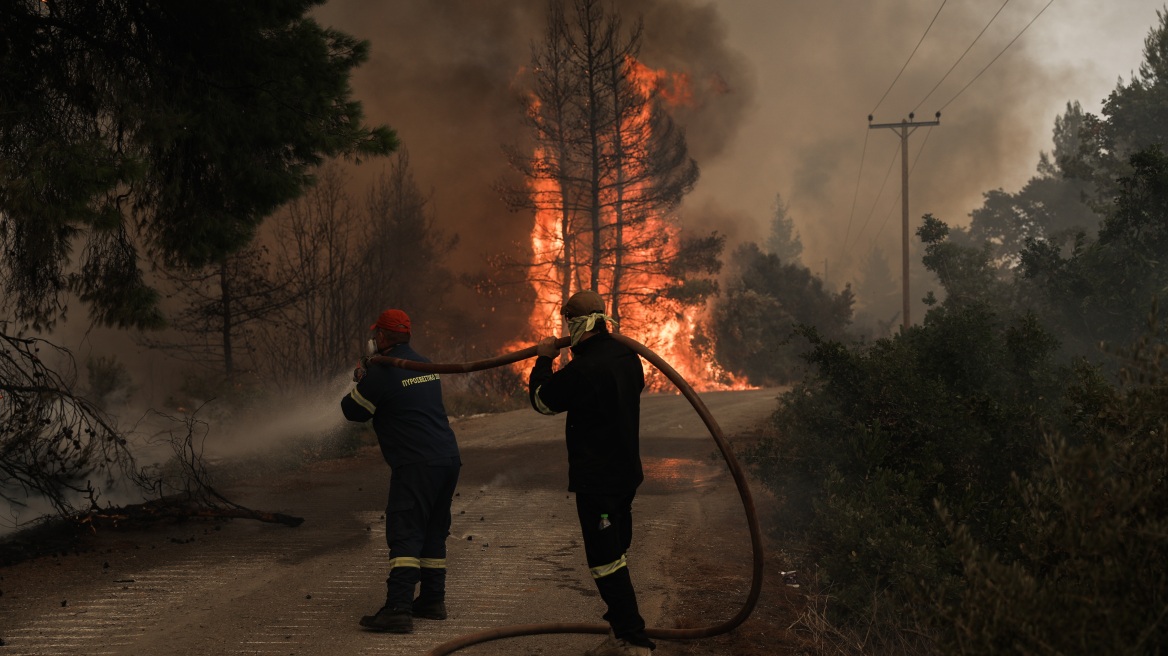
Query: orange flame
x,y
662,324
674,88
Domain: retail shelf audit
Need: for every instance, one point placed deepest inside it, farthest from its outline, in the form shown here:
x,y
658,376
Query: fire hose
x,y
664,367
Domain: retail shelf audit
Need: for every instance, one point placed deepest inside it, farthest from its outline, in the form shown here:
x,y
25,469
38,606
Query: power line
x,y
887,174
927,96
975,40
856,193
905,300
883,184
864,150
999,54
910,56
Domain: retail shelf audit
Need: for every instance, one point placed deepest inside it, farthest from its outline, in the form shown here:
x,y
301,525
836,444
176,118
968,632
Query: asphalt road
x,y
515,556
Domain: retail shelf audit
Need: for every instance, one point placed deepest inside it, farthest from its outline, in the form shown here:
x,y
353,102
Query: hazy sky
x,y
821,67
784,89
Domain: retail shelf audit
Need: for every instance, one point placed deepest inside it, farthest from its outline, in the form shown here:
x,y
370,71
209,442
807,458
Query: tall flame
x,y
663,324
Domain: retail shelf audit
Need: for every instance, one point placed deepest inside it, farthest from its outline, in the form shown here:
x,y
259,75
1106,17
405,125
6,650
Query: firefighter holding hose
x,y
418,444
601,391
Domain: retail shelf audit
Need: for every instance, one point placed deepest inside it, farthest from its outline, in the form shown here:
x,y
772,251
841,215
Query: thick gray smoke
x,y
442,74
783,91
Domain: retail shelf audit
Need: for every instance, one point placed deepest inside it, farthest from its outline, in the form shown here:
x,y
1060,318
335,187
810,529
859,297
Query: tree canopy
x,y
783,240
138,133
766,300
1052,205
158,129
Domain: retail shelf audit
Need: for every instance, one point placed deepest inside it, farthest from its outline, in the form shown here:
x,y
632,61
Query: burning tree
x,y
608,168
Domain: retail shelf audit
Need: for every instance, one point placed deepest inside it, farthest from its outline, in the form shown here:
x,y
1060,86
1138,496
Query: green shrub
x,y
1091,571
752,326
949,412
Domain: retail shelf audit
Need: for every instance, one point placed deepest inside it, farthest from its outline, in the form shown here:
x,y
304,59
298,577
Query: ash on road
x,y
515,555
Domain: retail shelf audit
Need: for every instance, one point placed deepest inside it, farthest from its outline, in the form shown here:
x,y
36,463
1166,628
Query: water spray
x,y
684,387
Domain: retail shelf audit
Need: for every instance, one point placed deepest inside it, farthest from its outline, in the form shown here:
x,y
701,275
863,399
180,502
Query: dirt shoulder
x,y
711,575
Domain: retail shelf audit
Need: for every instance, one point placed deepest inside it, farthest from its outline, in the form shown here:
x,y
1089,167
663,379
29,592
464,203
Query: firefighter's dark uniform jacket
x,y
407,412
600,390
417,441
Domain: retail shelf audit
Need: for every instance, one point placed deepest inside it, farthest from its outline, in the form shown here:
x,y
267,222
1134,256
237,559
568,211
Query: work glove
x,y
359,372
546,347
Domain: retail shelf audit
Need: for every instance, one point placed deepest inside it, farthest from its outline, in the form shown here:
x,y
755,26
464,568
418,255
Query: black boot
x,y
430,603
623,616
396,616
429,610
392,620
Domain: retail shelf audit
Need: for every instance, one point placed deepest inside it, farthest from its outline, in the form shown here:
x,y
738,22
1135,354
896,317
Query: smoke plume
x,y
782,92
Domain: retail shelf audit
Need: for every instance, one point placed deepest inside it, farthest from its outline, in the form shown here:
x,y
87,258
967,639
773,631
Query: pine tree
x,y
170,128
783,240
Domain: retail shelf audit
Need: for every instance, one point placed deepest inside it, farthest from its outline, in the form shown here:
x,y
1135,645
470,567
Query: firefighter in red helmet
x,y
417,442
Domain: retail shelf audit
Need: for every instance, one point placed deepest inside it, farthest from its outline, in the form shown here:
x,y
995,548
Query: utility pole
x,y
904,128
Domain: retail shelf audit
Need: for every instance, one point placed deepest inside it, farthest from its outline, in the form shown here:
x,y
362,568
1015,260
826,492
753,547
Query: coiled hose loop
x,y
664,367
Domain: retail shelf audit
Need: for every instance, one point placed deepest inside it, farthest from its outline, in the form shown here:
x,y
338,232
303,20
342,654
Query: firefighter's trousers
x,y
417,522
606,544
